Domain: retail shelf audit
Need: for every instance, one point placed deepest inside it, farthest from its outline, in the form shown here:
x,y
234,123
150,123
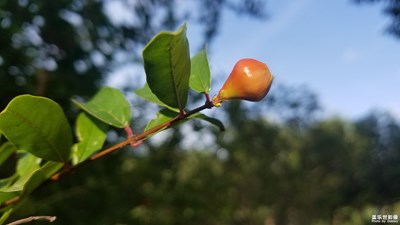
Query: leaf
x,y
91,136
108,105
165,115
6,150
6,182
37,125
5,215
167,65
26,167
162,116
31,175
146,93
6,195
211,120
41,175
200,76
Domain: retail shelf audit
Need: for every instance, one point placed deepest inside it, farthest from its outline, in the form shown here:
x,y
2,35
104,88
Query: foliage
x,y
64,49
257,172
329,171
169,79
37,130
45,134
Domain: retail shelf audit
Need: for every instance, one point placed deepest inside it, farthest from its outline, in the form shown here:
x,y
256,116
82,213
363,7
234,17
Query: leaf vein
x,y
38,131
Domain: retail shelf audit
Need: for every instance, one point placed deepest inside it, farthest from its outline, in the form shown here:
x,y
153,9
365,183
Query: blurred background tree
x,y
297,168
64,48
392,9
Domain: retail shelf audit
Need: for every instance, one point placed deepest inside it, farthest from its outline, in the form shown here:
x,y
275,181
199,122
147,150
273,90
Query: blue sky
x,y
337,49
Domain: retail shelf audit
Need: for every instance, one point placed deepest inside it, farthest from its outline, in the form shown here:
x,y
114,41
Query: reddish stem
x,y
133,140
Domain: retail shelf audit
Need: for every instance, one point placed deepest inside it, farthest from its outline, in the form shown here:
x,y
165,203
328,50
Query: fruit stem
x,y
216,101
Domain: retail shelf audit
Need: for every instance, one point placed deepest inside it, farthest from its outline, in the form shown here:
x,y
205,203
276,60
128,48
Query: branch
x,y
135,139
130,140
33,218
141,137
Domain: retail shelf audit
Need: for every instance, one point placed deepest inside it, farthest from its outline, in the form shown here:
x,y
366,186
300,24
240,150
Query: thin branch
x,y
10,202
130,140
140,137
33,218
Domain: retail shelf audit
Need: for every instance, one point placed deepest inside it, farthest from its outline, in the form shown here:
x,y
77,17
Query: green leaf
x,y
146,93
37,125
6,150
6,195
110,106
5,215
167,64
200,75
41,175
165,115
6,182
26,167
91,136
211,120
162,116
30,176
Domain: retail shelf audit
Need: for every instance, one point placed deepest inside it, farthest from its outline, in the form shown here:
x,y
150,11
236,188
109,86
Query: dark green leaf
x,y
200,77
37,125
91,136
211,120
167,64
110,106
146,93
6,150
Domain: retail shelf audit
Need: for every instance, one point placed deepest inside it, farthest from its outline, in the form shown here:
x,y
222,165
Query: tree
x,y
392,8
36,130
61,49
382,131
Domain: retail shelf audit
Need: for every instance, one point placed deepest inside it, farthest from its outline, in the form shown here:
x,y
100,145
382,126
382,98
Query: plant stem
x,y
132,140
138,138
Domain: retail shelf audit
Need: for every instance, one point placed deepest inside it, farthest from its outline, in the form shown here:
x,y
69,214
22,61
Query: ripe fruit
x,y
249,80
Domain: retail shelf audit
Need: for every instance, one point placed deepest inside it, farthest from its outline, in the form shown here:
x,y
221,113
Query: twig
x,y
10,202
132,140
140,137
33,218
